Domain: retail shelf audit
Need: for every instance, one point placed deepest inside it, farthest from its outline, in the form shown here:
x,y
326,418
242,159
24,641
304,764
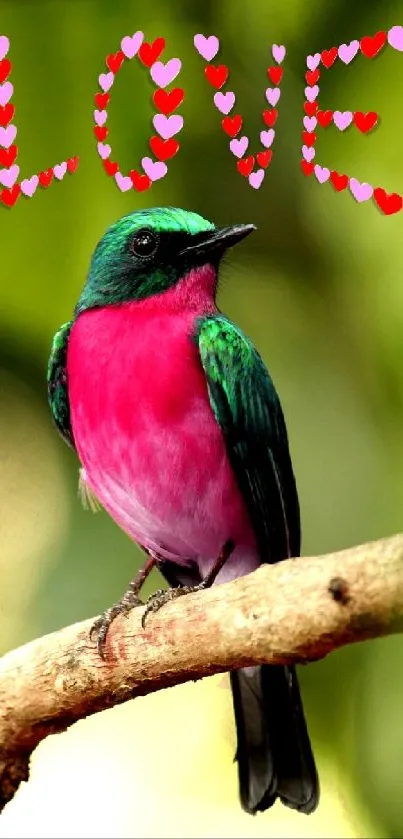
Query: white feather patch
x,y
87,496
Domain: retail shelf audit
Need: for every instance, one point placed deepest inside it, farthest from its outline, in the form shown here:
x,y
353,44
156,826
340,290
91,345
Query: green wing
x,y
57,383
248,410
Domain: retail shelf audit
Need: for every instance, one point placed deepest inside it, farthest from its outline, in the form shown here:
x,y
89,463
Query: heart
x,y
154,169
308,153
28,186
278,53
167,126
164,74
342,119
9,196
224,101
272,96
130,45
310,123
310,108
339,181
313,61
267,137
389,204
325,118
360,191
307,168
7,156
309,138
365,122
163,149
9,176
106,80
115,61
238,147
4,46
72,164
6,114
232,125
217,76
206,47
148,53
395,38
311,93
5,67
6,92
7,136
312,76
348,51
45,178
102,99
140,182
167,102
123,182
104,150
101,133
60,170
264,158
322,174
110,167
275,74
245,165
269,117
256,178
371,46
329,57
100,117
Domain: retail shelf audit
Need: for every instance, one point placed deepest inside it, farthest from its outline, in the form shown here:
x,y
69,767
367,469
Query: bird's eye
x,y
144,243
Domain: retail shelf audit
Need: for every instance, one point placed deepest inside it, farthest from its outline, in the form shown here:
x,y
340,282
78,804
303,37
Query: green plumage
x,y
57,383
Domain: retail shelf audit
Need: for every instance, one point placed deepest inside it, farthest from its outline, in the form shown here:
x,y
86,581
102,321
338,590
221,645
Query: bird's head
x,y
149,251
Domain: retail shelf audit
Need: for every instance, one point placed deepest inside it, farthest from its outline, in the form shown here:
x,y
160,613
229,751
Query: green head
x,y
148,251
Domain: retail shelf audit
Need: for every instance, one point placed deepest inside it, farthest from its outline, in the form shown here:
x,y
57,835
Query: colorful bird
x,y
182,439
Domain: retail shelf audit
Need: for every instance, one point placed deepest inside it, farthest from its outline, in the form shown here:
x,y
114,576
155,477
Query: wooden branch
x,y
295,611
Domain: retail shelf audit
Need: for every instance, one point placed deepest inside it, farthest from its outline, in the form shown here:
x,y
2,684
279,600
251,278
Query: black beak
x,y
219,240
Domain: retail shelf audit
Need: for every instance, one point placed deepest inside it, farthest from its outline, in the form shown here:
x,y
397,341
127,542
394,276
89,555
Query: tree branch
x,y
295,611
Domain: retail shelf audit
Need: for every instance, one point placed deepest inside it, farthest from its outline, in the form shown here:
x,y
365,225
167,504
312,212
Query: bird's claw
x,y
162,596
100,627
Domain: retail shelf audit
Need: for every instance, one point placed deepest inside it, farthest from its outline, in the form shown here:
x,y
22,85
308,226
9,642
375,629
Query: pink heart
x,y
206,47
167,126
7,136
28,186
224,101
342,119
267,137
60,170
255,178
4,46
123,181
238,147
308,153
164,74
311,93
9,176
154,169
100,117
106,81
322,173
104,150
273,95
278,53
131,45
395,38
313,61
6,92
360,191
310,123
348,52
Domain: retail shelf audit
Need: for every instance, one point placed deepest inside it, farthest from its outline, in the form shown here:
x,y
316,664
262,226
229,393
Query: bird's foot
x,y
100,627
162,596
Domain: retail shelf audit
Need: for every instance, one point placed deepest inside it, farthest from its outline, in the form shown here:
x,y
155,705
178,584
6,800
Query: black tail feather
x,y
274,753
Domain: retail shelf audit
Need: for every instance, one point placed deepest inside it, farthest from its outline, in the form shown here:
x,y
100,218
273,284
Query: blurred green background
x,y
318,288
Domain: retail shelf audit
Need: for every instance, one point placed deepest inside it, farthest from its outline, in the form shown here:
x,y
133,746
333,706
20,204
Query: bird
x,y
181,438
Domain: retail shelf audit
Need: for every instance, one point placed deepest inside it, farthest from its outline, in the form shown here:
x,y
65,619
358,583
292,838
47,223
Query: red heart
x,y
389,204
167,102
365,122
306,167
163,149
7,156
140,182
312,76
232,125
45,178
309,138
329,57
371,46
101,133
9,196
324,118
269,117
310,108
245,165
110,167
264,158
72,164
101,100
6,113
275,74
217,76
5,67
148,53
339,181
115,61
